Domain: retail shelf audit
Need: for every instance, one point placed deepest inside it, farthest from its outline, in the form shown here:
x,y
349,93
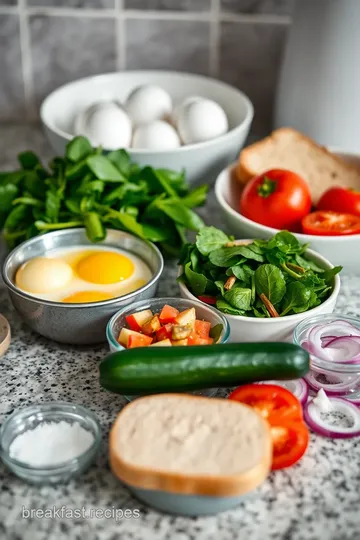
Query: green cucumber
x,y
152,370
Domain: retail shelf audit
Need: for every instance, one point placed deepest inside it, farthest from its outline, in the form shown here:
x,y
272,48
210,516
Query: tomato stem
x,y
267,187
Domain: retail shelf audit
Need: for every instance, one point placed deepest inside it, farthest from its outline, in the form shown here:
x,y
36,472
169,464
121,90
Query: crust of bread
x,y
173,482
244,170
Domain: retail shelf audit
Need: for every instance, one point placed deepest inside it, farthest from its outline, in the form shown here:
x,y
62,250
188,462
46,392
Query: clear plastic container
x,y
29,418
203,311
337,379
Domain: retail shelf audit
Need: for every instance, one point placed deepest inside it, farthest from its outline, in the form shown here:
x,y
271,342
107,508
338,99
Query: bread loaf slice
x,y
190,445
288,149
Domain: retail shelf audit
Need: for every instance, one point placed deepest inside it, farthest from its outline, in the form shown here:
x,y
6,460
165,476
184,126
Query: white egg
x,y
201,121
180,107
106,124
157,135
148,103
43,275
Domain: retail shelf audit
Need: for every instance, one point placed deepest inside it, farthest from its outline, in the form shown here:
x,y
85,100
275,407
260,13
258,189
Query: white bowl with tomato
x,y
281,200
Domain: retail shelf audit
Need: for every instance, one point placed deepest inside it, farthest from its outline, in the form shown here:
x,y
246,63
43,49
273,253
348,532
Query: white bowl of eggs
x,y
67,288
164,119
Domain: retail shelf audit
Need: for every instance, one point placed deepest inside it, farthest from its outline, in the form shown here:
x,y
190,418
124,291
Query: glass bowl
x,y
337,379
203,311
29,418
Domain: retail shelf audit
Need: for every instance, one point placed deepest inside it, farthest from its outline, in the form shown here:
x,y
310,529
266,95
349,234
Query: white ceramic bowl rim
x,y
297,316
303,237
44,114
84,305
167,300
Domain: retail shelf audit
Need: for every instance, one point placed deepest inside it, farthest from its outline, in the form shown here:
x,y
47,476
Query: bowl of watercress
x,y
263,287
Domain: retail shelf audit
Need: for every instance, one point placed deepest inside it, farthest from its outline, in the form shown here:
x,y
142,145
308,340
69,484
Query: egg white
x,y
141,275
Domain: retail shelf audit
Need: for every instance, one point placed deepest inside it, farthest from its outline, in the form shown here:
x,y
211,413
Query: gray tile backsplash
x,y
66,48
12,98
258,6
180,45
250,57
73,3
238,41
171,5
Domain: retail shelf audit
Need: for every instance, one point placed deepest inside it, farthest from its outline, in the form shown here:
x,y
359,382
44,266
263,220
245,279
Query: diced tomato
x,y
138,341
164,332
137,320
284,413
202,328
151,326
211,300
168,314
195,339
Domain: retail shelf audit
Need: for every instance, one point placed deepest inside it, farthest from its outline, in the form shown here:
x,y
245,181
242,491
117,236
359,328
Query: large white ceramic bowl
x,y
202,161
253,329
341,250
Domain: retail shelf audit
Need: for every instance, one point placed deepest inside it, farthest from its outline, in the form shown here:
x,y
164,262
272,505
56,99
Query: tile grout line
x,y
26,61
157,15
214,38
120,36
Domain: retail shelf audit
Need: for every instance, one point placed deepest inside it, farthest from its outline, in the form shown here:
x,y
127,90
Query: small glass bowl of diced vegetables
x,y
333,342
161,322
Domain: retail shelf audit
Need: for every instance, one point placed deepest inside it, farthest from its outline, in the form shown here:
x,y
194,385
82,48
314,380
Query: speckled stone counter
x,y
318,499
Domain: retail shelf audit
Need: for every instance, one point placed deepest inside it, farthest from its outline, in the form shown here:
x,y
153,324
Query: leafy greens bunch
x,y
86,188
264,278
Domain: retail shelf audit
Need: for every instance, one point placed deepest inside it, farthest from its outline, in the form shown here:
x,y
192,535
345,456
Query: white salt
x,y
51,443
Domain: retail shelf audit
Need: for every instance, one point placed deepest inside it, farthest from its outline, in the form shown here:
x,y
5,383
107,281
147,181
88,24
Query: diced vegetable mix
x,y
263,278
168,328
88,189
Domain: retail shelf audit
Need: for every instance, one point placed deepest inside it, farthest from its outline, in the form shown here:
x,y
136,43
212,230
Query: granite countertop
x,y
317,499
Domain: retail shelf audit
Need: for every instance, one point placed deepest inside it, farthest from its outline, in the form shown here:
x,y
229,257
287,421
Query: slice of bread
x,y
285,148
187,444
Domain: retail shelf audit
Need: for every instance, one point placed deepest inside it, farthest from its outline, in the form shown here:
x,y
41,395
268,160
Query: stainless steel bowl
x,y
77,324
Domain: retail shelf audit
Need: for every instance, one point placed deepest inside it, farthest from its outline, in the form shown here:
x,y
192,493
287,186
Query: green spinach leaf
x,y
270,281
296,298
210,239
238,298
196,281
103,169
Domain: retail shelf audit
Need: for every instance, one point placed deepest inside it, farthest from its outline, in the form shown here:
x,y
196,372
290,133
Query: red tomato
x,y
202,328
139,341
283,411
339,199
208,300
330,224
277,198
290,441
168,314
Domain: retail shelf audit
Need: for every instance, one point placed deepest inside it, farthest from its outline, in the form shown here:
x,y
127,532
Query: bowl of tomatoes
x,y
280,200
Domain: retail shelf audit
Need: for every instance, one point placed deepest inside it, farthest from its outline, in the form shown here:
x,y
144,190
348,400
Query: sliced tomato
x,y
168,314
202,328
271,401
283,411
211,300
290,441
326,223
195,339
139,341
164,332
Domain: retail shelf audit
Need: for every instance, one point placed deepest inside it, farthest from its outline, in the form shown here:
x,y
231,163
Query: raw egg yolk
x,y
43,275
87,296
105,267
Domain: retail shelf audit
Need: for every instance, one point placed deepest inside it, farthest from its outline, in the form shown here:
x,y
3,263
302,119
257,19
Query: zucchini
x,y
180,369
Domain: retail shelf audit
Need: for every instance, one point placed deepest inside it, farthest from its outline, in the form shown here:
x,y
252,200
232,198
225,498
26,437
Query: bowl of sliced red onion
x,y
333,341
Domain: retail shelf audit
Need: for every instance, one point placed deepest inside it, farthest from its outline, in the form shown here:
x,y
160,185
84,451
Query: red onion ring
x,y
322,339
342,383
298,387
312,417
351,344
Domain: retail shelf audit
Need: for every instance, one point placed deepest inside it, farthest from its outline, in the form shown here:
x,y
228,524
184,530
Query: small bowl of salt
x,y
50,442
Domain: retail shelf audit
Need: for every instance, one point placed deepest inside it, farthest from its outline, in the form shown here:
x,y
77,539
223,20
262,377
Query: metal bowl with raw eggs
x,y
66,288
